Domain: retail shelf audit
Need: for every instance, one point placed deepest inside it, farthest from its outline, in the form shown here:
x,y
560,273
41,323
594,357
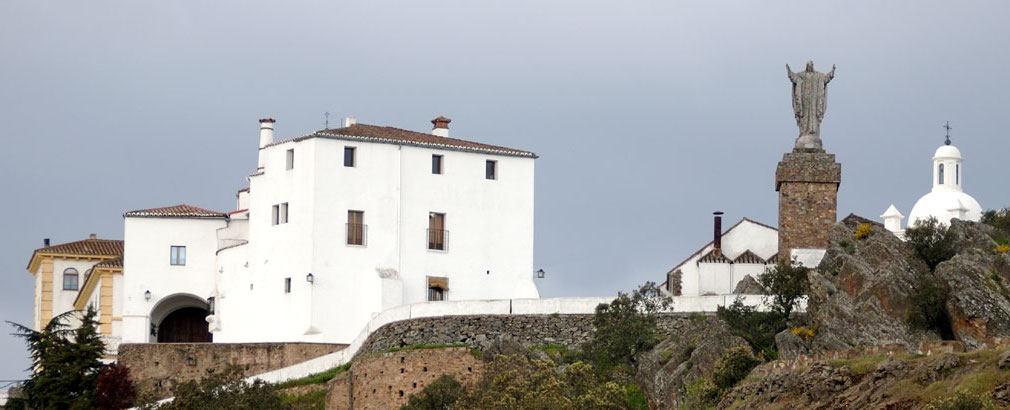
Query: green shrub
x,y
224,390
757,328
626,327
317,378
931,241
1000,220
734,365
636,398
440,394
786,283
847,246
962,400
701,393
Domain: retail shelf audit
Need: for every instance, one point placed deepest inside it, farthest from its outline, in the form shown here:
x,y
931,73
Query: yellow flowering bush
x,y
863,231
1003,248
804,333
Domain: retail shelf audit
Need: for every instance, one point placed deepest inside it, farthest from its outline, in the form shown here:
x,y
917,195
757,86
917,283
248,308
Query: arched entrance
x,y
180,318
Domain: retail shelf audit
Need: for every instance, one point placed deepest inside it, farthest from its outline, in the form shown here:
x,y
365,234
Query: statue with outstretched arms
x,y
809,103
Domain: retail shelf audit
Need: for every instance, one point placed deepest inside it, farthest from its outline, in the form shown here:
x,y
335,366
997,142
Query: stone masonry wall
x,y
386,380
161,367
808,199
481,331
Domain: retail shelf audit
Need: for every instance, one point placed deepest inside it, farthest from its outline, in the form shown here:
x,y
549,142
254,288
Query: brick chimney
x,y
440,126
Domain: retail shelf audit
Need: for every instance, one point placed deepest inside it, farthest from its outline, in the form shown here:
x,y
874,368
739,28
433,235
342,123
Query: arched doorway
x,y
180,318
186,325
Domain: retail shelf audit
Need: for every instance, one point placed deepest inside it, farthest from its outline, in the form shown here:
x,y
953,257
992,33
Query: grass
x,y
317,378
315,400
664,356
550,349
860,365
636,399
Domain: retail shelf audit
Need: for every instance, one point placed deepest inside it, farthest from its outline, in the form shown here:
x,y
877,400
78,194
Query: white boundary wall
x,y
681,304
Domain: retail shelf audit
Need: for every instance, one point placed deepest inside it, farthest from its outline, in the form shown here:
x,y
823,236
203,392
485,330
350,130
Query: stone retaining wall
x,y
161,367
480,331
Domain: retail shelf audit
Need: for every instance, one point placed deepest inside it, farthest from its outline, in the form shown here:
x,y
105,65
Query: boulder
x,y
749,286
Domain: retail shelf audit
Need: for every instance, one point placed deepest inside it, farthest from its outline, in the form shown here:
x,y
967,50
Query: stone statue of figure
x,y
809,102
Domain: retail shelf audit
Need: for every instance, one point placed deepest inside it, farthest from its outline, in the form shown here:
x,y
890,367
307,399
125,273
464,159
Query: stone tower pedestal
x,y
807,183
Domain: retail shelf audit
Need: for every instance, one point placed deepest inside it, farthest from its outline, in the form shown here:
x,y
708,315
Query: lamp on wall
x,y
147,295
540,274
309,278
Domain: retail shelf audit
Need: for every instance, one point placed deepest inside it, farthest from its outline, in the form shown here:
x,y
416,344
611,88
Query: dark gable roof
x,y
714,256
375,133
748,257
177,211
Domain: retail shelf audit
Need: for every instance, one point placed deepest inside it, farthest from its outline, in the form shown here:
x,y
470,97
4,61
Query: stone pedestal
x,y
807,183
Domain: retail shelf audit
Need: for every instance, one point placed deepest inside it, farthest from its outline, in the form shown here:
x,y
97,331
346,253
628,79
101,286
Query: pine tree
x,y
65,362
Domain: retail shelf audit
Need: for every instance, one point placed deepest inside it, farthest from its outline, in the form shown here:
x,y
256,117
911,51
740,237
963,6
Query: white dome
x,y
945,205
947,151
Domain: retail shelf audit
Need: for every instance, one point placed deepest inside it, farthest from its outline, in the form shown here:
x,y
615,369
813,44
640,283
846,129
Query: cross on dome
x,y
948,128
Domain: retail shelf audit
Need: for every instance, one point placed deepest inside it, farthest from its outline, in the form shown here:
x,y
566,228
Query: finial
x,y
948,128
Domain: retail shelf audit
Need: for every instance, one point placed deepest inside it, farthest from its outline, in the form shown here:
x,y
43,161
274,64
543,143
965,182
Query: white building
x,y
747,248
335,227
946,200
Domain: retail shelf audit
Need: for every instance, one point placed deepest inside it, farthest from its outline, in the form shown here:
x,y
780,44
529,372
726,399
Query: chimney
x,y
349,121
45,242
717,231
266,131
441,126
92,236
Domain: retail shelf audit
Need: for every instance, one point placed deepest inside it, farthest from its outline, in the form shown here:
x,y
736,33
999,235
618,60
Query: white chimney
x,y
266,131
349,121
440,126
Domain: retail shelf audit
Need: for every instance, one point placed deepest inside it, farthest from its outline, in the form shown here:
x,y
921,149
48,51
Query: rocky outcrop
x,y
869,382
749,286
859,293
688,353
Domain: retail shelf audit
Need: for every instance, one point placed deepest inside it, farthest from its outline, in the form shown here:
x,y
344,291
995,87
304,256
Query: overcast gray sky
x,y
647,115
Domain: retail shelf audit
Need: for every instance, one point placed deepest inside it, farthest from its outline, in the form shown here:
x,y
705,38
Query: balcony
x,y
438,239
357,234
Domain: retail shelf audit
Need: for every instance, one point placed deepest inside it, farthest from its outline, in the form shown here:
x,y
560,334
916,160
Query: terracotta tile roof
x,y
177,211
714,256
88,247
105,247
748,257
111,263
375,133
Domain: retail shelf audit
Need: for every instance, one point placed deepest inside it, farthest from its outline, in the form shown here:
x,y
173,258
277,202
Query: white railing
x,y
683,304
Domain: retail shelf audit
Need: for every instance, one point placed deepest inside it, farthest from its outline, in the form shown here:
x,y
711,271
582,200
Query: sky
x,y
647,115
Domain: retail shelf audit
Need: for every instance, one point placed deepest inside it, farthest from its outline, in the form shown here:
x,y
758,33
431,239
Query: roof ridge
x,y
181,210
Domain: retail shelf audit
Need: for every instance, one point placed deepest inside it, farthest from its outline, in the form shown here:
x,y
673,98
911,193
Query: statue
x,y
809,102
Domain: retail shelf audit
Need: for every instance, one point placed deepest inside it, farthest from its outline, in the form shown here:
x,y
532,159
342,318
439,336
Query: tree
x,y
931,242
626,327
225,390
786,283
757,328
441,394
115,390
65,362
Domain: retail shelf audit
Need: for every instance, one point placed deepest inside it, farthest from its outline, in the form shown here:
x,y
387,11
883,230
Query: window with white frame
x,y
289,159
178,255
70,279
491,169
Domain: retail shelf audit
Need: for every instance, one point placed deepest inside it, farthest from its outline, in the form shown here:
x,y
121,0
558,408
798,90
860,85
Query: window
x,y
941,174
349,156
436,164
437,234
210,305
355,227
490,169
437,289
279,214
178,255
289,159
957,173
70,279
287,285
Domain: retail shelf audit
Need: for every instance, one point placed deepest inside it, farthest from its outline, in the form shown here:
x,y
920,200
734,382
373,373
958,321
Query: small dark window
x,y
289,159
70,279
349,156
287,285
436,294
178,255
276,215
491,169
436,164
941,174
284,213
957,174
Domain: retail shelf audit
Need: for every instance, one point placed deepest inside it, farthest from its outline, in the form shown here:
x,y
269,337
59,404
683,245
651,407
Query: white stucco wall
x,y
147,267
722,278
